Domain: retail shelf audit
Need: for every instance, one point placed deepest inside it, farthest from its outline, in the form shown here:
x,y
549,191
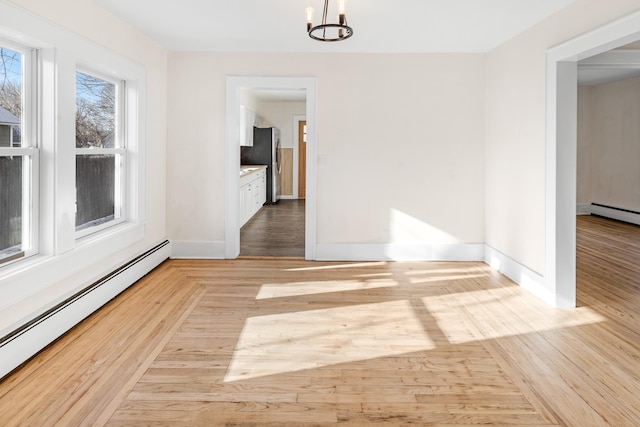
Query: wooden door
x,y
302,159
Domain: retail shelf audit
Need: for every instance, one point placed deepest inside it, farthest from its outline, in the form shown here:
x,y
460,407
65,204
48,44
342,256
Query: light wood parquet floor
x,y
296,343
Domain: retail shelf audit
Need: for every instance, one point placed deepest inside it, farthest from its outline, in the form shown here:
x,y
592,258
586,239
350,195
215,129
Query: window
x,y
40,246
100,153
18,156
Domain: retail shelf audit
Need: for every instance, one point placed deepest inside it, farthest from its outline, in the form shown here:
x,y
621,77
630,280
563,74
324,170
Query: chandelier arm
x,y
344,31
324,18
324,12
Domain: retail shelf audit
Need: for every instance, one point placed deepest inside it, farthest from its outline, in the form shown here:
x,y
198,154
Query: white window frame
x,y
28,150
60,254
120,149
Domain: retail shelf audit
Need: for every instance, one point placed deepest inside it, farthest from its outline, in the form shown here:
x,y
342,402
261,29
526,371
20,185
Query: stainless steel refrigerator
x,y
265,151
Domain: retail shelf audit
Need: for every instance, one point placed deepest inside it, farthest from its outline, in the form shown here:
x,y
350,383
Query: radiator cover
x,y
28,339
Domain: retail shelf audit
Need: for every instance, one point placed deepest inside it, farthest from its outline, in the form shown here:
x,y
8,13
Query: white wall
x,y
585,132
280,115
85,18
515,151
400,144
612,140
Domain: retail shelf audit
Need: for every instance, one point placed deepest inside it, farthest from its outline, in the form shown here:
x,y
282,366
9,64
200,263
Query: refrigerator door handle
x,y
278,162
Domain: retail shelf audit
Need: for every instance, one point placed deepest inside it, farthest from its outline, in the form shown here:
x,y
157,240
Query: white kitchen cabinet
x,y
253,192
248,119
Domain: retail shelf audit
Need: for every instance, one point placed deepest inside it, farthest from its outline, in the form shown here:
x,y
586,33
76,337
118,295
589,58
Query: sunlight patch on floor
x,y
288,342
502,313
281,290
340,265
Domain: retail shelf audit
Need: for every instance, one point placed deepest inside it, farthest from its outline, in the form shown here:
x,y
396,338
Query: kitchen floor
x,y
275,231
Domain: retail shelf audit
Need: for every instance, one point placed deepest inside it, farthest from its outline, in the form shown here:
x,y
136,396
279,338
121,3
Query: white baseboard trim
x,y
289,197
613,213
399,252
23,343
198,250
583,209
523,276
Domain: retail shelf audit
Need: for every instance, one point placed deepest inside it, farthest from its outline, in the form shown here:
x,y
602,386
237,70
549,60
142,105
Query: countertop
x,y
249,169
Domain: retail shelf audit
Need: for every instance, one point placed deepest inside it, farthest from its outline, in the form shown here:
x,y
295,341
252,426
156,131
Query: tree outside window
x,y
99,153
14,190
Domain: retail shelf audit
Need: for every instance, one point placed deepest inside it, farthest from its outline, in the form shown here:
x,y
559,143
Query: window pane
x,y
10,97
96,189
14,181
95,112
11,216
98,176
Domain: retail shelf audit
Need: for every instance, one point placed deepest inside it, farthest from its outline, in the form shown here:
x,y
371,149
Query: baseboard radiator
x,y
612,212
28,339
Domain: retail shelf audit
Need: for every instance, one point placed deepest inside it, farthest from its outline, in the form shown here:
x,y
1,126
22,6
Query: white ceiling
x,y
399,26
403,26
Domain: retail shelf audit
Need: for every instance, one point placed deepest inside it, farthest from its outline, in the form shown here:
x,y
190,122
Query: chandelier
x,y
329,32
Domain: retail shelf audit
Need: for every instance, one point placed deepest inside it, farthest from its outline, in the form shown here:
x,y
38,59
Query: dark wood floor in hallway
x,y
275,231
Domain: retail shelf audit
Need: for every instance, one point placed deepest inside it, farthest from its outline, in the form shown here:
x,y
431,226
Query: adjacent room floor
x,y
293,343
275,231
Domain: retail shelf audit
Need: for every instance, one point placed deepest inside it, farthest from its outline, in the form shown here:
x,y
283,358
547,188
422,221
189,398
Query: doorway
x,y
561,149
235,85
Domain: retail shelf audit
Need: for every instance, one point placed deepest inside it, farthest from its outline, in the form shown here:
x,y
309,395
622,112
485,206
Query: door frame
x,y
296,122
234,85
561,150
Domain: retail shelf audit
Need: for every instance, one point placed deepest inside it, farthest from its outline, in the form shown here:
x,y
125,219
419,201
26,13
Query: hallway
x,y
275,231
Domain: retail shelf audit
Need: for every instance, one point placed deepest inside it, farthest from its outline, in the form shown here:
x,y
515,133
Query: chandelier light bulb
x,y
341,6
309,14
